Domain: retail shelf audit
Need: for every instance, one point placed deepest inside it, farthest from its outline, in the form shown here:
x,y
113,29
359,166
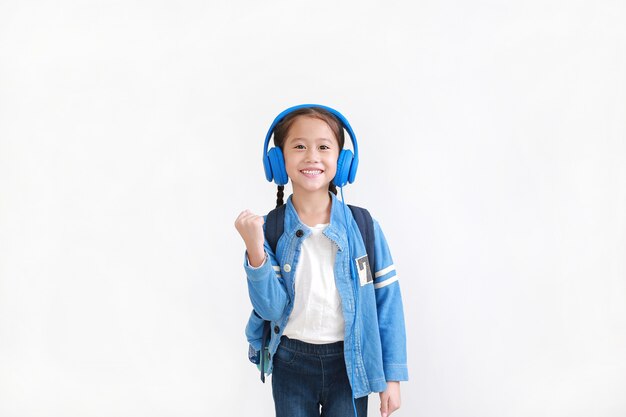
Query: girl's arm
x,y
265,286
390,311
250,227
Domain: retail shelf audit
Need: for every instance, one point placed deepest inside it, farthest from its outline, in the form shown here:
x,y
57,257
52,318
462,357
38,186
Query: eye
x,y
324,147
299,147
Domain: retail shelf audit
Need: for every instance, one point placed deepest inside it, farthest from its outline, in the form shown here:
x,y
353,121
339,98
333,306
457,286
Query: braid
x,y
279,196
332,188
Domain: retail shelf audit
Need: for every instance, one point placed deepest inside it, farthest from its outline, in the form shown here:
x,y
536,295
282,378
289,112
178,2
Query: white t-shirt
x,y
316,316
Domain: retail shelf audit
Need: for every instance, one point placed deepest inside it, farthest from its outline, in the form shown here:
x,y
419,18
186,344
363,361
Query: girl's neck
x,y
312,208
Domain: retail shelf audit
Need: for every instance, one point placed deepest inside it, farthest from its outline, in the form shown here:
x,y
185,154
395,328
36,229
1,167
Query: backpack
x,y
274,227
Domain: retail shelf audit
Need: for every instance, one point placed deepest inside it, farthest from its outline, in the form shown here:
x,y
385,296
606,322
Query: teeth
x,y
311,172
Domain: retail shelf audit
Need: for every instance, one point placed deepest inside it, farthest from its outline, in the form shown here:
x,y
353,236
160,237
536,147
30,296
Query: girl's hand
x,y
390,399
250,227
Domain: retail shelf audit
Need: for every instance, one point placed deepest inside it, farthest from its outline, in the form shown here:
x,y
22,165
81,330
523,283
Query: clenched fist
x,y
250,227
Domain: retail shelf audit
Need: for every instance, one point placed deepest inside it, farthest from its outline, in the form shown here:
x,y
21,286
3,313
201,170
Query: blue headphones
x,y
274,162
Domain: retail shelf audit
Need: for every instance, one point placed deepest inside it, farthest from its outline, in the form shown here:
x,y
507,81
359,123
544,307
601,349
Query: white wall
x,y
493,150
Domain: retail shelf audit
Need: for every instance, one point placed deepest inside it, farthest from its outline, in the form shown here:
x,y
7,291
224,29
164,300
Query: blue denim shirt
x,y
375,338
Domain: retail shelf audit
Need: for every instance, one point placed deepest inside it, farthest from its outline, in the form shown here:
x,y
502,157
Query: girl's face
x,y
311,151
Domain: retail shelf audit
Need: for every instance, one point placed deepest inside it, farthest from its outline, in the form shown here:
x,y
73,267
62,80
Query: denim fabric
x,y
371,302
307,376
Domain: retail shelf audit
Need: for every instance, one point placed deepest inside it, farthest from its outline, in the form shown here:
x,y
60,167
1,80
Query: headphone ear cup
x,y
277,165
353,167
267,167
343,168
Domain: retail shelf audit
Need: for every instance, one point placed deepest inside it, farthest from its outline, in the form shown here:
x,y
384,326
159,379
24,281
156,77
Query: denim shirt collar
x,y
336,230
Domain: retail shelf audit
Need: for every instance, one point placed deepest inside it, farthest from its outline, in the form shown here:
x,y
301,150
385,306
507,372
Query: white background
x,y
493,152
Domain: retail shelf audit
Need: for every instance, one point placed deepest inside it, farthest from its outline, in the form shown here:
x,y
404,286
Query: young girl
x,y
337,329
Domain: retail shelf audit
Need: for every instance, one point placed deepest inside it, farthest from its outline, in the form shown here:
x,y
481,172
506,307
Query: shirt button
x,y
276,329
299,233
287,268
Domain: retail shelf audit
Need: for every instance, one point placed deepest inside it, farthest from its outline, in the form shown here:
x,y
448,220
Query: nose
x,y
312,155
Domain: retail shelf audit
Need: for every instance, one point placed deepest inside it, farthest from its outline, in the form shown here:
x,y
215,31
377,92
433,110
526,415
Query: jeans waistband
x,y
311,348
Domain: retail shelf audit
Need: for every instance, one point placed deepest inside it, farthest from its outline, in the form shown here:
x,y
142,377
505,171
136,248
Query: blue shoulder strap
x,y
365,222
274,226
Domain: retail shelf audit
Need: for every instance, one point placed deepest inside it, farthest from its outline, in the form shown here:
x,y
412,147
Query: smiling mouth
x,y
311,173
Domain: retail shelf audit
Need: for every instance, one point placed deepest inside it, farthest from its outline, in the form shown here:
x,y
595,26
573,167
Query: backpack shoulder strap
x,y
365,222
274,226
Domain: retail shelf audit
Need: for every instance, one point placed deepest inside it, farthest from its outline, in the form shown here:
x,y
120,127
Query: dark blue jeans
x,y
307,376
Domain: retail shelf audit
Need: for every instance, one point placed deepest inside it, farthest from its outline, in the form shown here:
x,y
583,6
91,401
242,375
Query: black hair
x,y
280,194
